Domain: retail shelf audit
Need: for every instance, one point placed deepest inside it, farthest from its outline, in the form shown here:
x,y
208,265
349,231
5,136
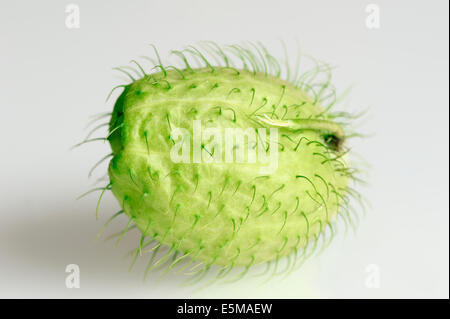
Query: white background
x,y
53,78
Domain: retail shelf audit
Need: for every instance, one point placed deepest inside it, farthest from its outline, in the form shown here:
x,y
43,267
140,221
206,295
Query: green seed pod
x,y
218,212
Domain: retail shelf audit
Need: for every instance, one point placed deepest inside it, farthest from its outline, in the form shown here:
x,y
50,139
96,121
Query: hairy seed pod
x,y
218,212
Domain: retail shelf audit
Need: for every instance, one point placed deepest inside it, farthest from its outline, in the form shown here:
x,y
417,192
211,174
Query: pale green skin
x,y
202,209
